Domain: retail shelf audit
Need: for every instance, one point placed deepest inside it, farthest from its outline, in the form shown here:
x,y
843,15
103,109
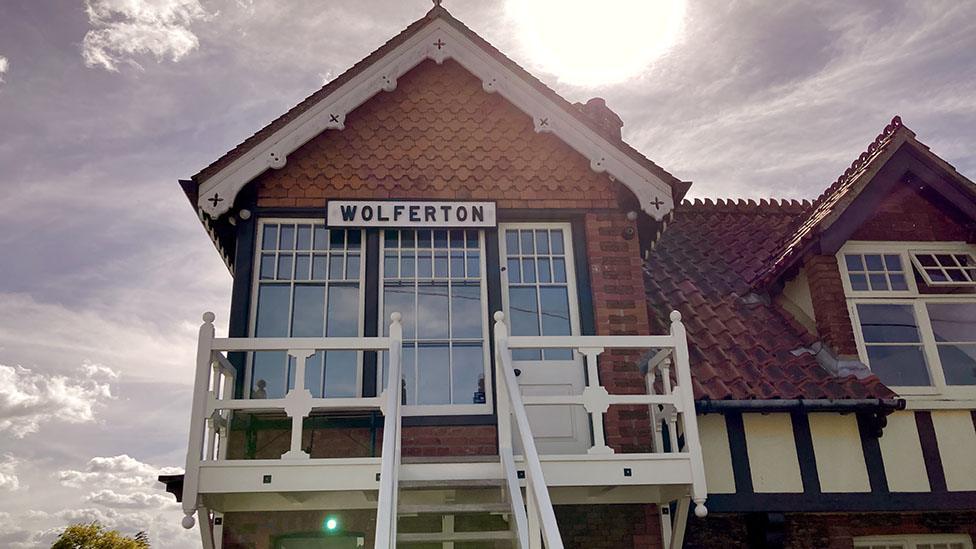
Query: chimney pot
x,y
598,111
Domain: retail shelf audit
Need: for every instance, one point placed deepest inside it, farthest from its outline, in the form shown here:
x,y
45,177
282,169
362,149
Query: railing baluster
x,y
649,379
298,404
194,448
596,401
670,413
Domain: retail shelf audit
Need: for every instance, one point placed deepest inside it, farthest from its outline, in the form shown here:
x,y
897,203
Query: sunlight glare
x,y
597,42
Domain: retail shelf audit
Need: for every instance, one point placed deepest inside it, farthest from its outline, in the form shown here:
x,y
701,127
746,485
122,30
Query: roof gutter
x,y
884,406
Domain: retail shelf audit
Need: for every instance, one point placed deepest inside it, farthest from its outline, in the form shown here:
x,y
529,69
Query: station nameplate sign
x,y
395,213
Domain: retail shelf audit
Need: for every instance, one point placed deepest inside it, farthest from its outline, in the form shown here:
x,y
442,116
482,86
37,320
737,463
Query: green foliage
x,y
95,536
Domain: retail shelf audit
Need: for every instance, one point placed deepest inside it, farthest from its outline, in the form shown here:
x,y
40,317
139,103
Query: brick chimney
x,y
607,120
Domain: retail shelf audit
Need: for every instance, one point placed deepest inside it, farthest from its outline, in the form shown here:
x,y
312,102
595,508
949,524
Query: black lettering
x,y
430,213
397,212
415,213
477,214
367,213
348,212
447,213
379,214
461,213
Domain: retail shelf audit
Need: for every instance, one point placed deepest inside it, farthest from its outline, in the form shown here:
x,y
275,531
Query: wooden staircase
x,y
453,514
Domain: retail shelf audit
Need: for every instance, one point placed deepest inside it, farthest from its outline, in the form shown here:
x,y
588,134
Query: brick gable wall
x,y
439,135
904,215
907,214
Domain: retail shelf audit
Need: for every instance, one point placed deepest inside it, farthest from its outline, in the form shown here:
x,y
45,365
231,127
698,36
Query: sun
x,y
597,42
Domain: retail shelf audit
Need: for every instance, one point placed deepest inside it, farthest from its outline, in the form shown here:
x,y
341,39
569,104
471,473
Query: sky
x,y
105,104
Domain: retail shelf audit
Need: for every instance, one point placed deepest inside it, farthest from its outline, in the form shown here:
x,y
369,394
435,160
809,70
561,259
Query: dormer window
x,y
913,307
876,272
945,268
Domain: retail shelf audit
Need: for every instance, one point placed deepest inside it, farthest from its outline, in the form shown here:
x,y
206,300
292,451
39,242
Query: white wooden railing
x,y
213,403
538,515
386,506
672,410
673,406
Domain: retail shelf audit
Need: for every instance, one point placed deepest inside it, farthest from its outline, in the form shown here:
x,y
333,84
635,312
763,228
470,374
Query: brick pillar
x,y
830,305
619,305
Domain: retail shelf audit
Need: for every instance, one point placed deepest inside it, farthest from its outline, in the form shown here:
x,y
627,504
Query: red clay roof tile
x,y
740,348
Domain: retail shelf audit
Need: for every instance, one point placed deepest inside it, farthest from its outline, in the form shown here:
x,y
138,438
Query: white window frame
x,y
912,541
922,269
443,409
568,252
256,282
912,297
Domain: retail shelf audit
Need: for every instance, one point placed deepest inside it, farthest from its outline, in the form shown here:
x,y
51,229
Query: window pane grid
x,y
876,272
538,288
946,269
433,278
308,286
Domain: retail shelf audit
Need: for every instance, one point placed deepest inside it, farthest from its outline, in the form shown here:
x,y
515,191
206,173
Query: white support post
x,y
664,514
534,529
699,491
678,525
206,529
194,449
386,505
298,404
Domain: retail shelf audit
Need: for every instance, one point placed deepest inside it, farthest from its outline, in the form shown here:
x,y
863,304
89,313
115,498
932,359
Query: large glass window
x,y
915,319
539,274
954,330
308,284
435,280
893,343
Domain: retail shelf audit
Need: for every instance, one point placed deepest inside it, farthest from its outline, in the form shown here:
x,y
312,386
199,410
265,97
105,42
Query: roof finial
x,y
437,3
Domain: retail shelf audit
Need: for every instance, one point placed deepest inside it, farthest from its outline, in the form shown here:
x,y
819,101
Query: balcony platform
x,y
244,485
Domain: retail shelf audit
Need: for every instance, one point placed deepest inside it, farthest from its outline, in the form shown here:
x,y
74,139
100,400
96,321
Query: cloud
x,y
127,497
4,67
93,370
123,29
28,399
114,472
9,481
139,500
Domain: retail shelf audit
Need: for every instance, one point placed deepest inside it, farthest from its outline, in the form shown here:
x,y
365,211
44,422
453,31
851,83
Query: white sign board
x,y
395,213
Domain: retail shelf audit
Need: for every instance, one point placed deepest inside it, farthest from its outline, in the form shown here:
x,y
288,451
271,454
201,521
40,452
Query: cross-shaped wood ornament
x,y
440,43
333,118
657,203
215,199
